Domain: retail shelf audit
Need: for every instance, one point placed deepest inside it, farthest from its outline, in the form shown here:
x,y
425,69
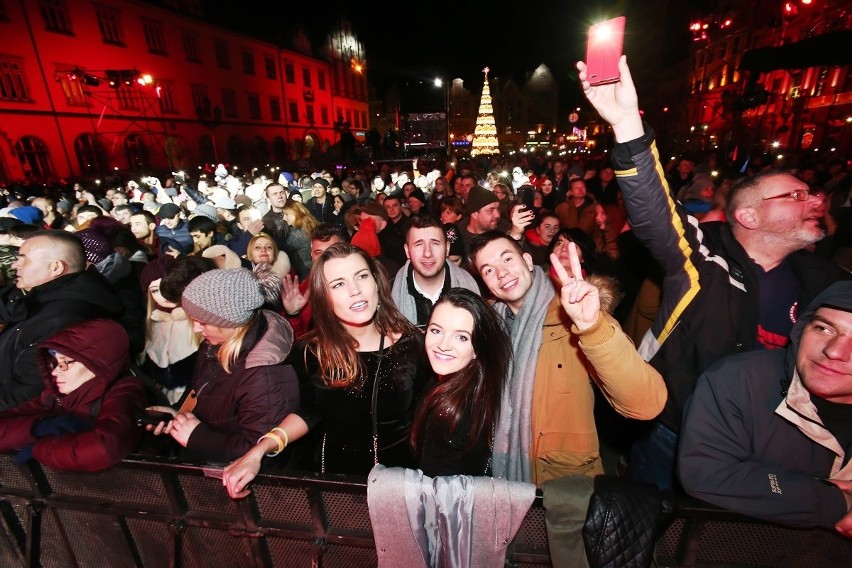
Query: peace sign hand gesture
x,y
580,299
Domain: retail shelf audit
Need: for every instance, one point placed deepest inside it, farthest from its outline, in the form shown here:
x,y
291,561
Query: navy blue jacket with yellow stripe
x,y
709,307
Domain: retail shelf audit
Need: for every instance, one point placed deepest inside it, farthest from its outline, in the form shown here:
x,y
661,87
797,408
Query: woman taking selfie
x,y
358,376
469,352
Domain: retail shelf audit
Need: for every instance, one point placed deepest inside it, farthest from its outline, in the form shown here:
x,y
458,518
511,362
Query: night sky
x,y
418,41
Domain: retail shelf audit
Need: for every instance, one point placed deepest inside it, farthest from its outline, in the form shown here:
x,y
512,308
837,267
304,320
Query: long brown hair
x,y
479,386
333,346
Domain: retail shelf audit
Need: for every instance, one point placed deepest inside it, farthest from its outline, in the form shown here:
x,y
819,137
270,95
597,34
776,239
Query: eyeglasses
x,y
62,364
798,195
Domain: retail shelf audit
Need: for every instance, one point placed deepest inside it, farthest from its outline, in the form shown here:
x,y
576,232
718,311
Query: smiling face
x,y
352,290
448,339
427,249
506,272
824,359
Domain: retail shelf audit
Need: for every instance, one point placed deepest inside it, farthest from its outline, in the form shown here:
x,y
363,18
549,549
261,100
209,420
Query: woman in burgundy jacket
x,y
83,420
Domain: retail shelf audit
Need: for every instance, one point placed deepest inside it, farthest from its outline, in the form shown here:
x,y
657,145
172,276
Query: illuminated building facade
x,y
89,87
771,76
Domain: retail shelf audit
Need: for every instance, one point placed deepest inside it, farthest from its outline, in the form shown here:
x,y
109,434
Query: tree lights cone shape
x,y
485,135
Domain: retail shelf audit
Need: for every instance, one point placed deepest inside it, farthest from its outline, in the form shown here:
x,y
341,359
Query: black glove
x,y
58,425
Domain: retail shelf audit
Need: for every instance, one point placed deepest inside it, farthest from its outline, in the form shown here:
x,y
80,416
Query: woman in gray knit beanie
x,y
241,385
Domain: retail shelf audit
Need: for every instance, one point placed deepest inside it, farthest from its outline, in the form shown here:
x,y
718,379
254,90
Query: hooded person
x,y
767,433
84,419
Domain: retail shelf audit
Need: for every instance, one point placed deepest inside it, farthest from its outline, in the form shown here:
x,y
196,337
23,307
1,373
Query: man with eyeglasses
x,y
729,287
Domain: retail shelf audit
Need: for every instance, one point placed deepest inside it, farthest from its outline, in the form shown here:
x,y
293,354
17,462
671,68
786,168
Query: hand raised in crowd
x,y
617,103
580,299
255,227
181,427
291,297
173,252
240,473
521,219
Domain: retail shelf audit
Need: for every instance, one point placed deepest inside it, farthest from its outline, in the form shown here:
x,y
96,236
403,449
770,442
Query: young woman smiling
x,y
469,352
359,370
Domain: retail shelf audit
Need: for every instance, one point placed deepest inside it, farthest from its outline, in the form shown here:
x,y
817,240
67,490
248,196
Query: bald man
x,y
52,290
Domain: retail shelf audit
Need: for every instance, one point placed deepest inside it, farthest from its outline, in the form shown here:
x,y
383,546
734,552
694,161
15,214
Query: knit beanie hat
x,y
96,245
27,214
478,198
418,195
207,210
224,298
366,239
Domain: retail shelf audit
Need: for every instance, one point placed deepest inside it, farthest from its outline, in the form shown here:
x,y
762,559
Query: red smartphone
x,y
606,43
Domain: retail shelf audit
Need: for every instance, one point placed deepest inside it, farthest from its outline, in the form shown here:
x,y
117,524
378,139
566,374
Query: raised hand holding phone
x,y
603,50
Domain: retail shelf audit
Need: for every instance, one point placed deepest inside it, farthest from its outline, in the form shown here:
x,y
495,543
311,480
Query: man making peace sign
x,y
546,430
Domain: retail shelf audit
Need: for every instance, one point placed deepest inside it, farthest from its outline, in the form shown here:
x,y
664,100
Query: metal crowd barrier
x,y
158,512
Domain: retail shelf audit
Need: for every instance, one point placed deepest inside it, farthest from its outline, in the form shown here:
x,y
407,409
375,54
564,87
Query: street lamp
x,y
440,84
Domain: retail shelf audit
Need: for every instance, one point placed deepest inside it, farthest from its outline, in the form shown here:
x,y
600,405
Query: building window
x,y
269,64
127,97
364,119
200,98
289,73
72,87
275,108
109,22
223,54
55,15
167,97
248,62
254,106
324,114
306,77
190,47
33,156
293,106
229,102
90,154
309,113
154,37
321,80
13,84
136,151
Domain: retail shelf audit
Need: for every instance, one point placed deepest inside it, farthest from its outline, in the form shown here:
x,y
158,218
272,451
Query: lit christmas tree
x,y
485,134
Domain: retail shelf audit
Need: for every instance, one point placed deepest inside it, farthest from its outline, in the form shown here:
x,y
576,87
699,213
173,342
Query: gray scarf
x,y
512,441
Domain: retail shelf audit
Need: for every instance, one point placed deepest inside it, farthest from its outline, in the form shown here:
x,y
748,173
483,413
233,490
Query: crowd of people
x,y
460,321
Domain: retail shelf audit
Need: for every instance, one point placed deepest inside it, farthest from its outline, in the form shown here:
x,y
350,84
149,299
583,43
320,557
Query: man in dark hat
x,y
320,205
173,231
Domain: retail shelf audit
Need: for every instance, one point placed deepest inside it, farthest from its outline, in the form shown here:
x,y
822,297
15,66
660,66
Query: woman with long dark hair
x,y
469,351
359,371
